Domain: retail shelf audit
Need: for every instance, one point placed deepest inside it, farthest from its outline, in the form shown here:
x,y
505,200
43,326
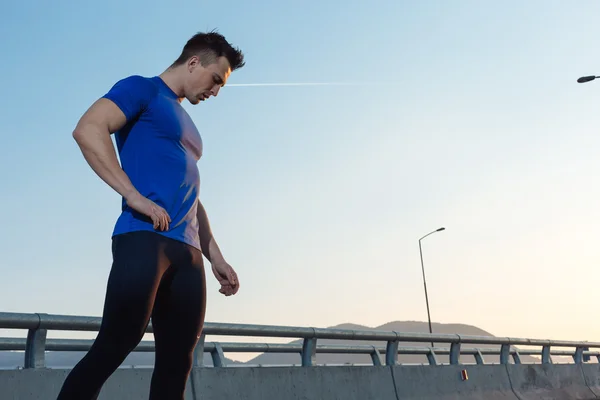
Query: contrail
x,y
300,84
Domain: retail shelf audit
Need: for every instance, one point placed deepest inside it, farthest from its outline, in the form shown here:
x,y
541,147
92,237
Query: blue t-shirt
x,y
159,148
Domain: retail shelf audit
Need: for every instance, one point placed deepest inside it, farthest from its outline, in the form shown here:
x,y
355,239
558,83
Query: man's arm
x,y
210,249
92,134
222,270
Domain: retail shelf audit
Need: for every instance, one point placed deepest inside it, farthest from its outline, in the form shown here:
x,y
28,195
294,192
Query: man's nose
x,y
215,90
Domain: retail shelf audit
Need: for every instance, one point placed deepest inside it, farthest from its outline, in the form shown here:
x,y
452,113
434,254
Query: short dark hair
x,y
209,47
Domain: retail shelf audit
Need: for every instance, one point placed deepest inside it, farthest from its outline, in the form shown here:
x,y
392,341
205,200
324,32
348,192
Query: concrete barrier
x,y
549,381
284,383
444,382
591,373
44,384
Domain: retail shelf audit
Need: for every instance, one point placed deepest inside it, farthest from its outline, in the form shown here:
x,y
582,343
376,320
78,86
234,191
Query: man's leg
x,y
177,321
138,265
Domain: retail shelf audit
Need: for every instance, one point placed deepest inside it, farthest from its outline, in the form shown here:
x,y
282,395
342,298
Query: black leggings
x,y
151,277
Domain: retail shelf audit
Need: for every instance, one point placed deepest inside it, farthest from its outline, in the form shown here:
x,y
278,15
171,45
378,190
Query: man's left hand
x,y
226,277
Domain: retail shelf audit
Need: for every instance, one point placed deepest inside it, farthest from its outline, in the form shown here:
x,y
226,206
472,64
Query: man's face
x,y
205,81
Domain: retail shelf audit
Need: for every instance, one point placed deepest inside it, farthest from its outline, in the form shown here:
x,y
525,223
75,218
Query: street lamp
x,y
424,281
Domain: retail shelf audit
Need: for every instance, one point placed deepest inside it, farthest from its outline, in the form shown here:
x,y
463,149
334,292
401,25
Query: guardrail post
x,y
375,357
391,353
309,352
578,356
35,347
217,356
586,357
504,353
454,353
517,357
431,357
479,357
199,352
546,358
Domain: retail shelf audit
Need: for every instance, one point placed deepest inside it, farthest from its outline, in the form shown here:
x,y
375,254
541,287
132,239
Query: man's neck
x,y
171,78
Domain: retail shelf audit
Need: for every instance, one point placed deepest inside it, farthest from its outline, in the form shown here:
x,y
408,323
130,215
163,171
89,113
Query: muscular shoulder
x,y
132,94
145,87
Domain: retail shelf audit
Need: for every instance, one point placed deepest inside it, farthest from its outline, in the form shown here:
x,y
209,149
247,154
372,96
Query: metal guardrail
x,y
36,344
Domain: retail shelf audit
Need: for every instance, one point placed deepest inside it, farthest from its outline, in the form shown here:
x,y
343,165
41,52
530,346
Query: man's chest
x,y
171,122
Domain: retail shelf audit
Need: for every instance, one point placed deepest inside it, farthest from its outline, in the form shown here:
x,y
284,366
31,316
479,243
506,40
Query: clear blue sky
x,y
318,195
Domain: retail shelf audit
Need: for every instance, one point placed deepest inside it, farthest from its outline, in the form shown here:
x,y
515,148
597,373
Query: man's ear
x,y
193,62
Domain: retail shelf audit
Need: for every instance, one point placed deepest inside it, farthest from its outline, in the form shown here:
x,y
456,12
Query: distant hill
x,y
68,359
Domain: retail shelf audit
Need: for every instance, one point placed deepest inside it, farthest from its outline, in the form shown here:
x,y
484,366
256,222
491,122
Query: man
x,y
163,231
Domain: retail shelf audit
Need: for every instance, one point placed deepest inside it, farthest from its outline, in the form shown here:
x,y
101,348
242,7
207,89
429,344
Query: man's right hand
x,y
143,205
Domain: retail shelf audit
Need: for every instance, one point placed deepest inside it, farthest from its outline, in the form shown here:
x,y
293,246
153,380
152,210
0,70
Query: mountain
x,y
61,359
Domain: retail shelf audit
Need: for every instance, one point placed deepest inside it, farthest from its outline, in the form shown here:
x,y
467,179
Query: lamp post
x,y
424,281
